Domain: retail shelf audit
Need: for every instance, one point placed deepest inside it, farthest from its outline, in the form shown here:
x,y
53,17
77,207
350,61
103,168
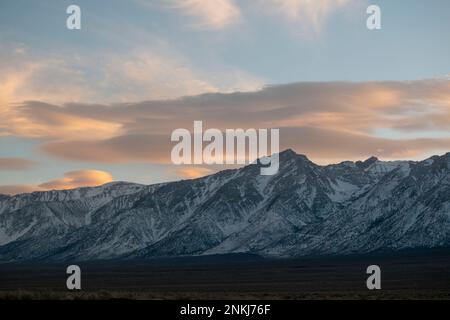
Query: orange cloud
x,y
326,146
193,172
58,125
76,179
121,149
71,180
15,164
215,14
144,73
17,189
354,113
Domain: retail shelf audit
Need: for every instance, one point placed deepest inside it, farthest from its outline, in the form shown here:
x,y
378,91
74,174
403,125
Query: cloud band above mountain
x,y
328,121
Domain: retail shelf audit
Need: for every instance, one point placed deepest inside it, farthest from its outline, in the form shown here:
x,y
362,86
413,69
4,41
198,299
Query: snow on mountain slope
x,y
305,208
30,215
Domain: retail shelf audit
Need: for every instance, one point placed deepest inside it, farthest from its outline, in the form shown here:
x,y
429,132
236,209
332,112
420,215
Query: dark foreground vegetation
x,y
418,274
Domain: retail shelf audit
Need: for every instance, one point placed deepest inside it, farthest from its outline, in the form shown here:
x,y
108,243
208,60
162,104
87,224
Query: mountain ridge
x,y
349,207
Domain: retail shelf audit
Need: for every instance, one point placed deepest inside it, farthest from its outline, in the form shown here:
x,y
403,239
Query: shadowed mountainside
x,y
304,209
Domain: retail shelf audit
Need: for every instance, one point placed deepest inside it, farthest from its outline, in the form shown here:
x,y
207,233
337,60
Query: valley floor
x,y
419,274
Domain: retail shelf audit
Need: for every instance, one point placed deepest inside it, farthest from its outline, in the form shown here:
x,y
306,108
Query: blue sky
x,y
411,45
143,50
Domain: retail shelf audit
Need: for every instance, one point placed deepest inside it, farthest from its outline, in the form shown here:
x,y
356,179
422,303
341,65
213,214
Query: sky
x,y
90,106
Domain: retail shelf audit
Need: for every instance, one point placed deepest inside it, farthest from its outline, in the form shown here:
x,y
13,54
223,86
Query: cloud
x,y
15,164
71,180
130,148
80,178
211,14
40,78
308,15
141,73
138,75
17,189
328,121
112,78
154,76
193,172
326,146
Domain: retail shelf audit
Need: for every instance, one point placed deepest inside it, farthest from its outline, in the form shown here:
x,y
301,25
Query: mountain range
x,y
304,209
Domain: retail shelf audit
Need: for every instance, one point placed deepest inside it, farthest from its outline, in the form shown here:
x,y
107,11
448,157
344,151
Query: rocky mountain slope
x,y
351,207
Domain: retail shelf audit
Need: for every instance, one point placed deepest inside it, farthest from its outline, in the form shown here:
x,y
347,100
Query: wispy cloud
x,y
71,180
193,172
16,189
75,179
16,164
211,14
308,15
318,119
139,74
